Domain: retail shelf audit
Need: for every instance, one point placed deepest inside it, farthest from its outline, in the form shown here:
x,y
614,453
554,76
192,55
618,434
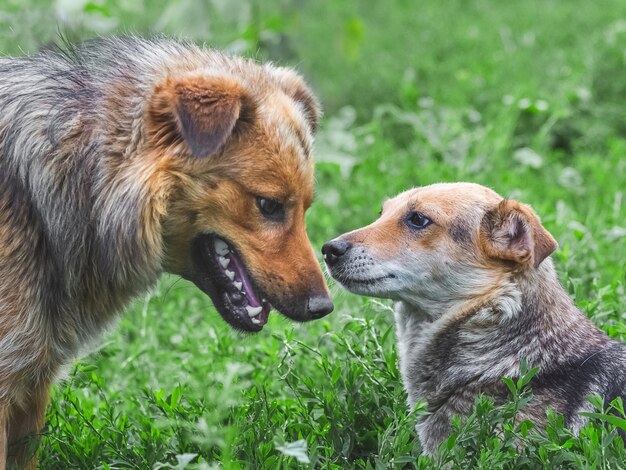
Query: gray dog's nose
x,y
335,249
319,306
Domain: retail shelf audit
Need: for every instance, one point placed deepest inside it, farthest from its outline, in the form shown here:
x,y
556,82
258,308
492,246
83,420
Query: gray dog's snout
x,y
335,249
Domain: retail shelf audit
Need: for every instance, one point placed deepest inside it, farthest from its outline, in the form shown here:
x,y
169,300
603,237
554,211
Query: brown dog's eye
x,y
270,208
418,220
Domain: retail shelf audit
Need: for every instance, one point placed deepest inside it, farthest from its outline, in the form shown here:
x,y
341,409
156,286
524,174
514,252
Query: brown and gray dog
x,y
125,158
476,292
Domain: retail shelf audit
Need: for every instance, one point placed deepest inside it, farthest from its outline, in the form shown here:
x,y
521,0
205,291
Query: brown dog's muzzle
x,y
300,292
244,287
304,308
319,306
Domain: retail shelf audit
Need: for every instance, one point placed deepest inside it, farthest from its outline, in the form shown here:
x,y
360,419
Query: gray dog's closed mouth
x,y
348,281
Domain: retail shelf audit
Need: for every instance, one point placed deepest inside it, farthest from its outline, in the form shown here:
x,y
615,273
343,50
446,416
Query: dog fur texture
x,y
476,292
125,158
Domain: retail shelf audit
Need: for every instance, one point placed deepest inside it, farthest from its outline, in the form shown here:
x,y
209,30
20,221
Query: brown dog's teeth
x,y
229,274
253,311
221,247
224,262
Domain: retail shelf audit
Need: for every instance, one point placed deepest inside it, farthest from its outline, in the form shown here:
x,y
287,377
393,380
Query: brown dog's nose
x,y
335,249
319,306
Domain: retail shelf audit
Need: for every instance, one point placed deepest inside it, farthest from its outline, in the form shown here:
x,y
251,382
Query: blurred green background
x,y
526,97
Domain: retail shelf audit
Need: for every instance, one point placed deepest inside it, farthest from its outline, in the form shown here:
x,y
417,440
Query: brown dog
x,y
476,292
125,158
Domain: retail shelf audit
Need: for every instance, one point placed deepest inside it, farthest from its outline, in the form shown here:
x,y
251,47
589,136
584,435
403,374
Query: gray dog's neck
x,y
447,361
482,340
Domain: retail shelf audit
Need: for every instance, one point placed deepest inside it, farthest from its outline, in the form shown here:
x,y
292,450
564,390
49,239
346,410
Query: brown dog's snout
x,y
319,306
305,308
334,250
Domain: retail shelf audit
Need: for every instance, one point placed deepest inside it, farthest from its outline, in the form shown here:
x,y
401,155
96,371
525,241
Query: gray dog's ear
x,y
199,110
513,232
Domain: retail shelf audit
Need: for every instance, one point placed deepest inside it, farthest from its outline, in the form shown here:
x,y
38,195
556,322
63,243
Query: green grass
x,y
526,97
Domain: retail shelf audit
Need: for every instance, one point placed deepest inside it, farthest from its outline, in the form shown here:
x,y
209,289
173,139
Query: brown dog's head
x,y
440,245
235,147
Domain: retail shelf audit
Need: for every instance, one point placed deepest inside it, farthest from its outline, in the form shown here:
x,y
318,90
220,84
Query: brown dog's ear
x,y
201,110
294,87
513,232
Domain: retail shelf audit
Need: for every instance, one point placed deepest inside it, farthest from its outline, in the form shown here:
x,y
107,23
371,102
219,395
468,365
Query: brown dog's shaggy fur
x,y
125,158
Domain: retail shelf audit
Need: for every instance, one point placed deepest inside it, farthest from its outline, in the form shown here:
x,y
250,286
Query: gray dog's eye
x,y
270,208
417,220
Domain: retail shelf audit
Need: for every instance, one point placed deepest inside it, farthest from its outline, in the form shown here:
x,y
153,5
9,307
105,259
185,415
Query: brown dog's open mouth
x,y
221,274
